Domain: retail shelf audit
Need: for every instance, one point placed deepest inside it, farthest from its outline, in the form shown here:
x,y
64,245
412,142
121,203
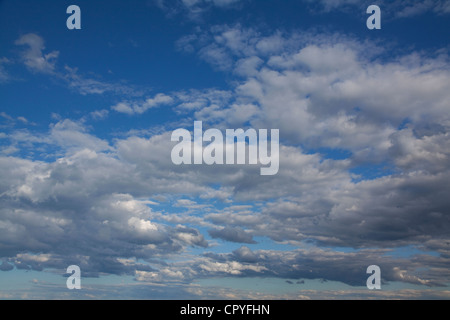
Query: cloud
x,y
316,263
323,89
37,61
187,291
232,234
244,254
92,201
11,121
141,107
70,134
6,266
93,205
86,86
99,114
304,265
190,236
67,210
235,268
34,57
326,91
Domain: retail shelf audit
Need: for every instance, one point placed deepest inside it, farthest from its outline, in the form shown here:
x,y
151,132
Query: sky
x,y
86,118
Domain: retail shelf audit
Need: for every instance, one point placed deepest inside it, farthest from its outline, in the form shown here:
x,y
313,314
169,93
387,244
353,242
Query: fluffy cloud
x,y
76,210
95,202
330,92
33,55
327,91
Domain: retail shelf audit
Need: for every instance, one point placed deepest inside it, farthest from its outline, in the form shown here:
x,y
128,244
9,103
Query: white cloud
x,y
96,196
36,60
141,225
429,153
70,134
141,107
99,114
91,203
34,57
232,267
325,90
248,66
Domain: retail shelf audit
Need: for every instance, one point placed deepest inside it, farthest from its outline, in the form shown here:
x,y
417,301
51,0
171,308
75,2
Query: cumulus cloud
x,y
76,210
322,90
327,91
92,203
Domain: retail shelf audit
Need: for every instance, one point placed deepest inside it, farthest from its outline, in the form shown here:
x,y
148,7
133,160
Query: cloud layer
x,y
119,206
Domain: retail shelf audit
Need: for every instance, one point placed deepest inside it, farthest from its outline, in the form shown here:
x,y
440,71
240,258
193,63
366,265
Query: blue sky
x,y
86,118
